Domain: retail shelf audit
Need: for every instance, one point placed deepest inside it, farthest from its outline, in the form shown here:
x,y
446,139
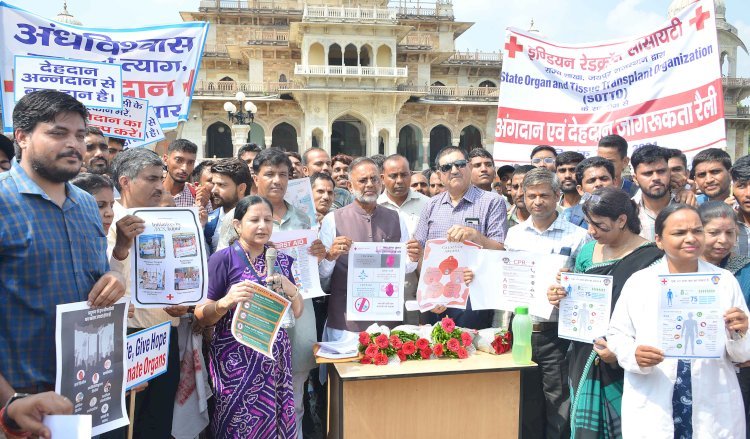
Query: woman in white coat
x,y
707,401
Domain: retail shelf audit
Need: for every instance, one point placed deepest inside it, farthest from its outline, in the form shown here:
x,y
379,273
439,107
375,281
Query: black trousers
x,y
545,411
744,378
154,406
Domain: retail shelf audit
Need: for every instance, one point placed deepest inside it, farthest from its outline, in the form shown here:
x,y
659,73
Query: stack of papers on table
x,y
334,350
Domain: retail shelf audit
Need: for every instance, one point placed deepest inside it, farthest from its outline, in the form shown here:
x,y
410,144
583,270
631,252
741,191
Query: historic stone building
x,y
357,77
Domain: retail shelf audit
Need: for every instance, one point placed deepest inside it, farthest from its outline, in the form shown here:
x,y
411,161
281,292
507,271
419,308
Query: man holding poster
x,y
52,246
362,221
137,174
546,395
462,213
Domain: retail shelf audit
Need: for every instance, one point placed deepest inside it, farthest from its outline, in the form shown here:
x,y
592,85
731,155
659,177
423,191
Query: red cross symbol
x,y
8,86
170,296
565,278
512,47
699,18
664,281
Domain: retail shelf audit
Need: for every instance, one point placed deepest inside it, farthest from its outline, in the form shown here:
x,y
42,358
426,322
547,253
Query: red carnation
x,y
453,345
401,355
371,350
465,338
438,350
364,338
366,360
425,353
448,324
381,359
422,343
409,348
382,341
396,342
462,353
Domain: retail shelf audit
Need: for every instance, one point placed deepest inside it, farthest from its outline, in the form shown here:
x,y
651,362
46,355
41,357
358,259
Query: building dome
x,y
65,17
678,5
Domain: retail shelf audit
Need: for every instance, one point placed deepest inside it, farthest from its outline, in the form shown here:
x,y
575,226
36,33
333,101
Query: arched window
x,y
284,136
487,84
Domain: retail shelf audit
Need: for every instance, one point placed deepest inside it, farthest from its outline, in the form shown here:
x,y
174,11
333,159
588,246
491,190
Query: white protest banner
x,y
169,258
126,123
507,279
159,63
90,346
375,281
299,195
663,87
95,84
441,281
296,243
152,134
147,354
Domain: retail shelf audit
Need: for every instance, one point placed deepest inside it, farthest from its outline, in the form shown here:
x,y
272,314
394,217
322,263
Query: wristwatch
x,y
7,421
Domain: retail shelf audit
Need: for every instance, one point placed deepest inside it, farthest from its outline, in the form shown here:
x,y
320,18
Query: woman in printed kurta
x,y
254,397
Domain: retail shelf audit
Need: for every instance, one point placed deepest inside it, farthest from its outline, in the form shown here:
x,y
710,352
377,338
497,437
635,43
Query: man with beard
x,y
96,158
419,183
362,221
652,176
52,244
230,179
566,163
180,161
138,175
316,160
711,171
399,196
482,168
340,164
463,212
518,212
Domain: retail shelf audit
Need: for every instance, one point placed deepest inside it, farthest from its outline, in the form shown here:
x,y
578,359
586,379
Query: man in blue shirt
x,y
52,244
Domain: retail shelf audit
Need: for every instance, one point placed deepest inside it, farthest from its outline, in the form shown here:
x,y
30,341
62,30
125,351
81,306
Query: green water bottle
x,y
521,350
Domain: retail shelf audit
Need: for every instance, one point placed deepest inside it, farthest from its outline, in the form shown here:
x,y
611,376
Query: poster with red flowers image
x,y
441,281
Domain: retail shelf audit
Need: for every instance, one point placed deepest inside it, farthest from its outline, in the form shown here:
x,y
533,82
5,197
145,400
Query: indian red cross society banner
x,y
663,87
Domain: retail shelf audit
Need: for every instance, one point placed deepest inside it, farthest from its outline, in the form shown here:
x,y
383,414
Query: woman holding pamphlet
x,y
254,396
618,251
677,329
720,226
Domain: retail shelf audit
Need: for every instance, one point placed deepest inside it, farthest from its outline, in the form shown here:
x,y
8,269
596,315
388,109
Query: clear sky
x,y
573,21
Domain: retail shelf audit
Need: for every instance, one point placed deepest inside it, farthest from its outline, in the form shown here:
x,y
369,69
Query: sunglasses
x,y
459,164
546,160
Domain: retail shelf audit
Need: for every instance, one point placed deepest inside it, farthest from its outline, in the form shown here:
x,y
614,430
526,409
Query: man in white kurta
x,y
647,395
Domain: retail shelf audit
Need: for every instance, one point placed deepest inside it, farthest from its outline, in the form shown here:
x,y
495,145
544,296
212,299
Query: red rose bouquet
x,y
450,341
503,342
494,341
379,348
376,348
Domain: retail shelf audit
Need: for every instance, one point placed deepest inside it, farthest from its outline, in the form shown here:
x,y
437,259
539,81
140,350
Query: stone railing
x,y
230,88
344,14
475,58
441,11
453,92
743,112
313,70
215,50
422,41
269,36
262,5
735,82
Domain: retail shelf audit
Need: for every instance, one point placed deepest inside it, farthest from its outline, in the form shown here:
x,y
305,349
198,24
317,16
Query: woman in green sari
x,y
595,378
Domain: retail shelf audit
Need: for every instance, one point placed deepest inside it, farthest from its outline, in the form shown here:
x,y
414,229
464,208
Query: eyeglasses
x,y
546,160
459,164
594,199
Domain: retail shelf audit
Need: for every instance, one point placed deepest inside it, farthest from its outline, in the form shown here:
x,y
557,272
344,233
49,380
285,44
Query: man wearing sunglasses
x,y
543,156
462,212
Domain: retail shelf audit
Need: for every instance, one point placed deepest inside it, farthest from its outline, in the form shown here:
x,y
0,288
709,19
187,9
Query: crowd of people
x,y
66,236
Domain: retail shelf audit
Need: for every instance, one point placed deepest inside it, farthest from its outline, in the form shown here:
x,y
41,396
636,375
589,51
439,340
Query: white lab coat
x,y
718,411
